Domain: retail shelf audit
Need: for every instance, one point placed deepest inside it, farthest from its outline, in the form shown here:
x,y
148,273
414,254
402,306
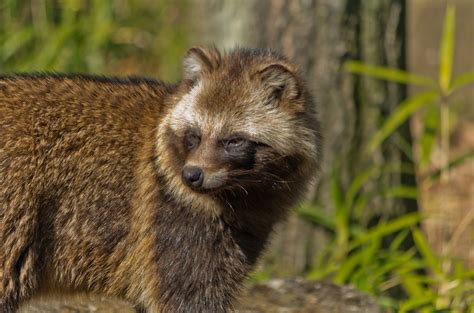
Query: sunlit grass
x,y
97,36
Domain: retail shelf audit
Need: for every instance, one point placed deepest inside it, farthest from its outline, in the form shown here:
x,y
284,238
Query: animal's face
x,y
241,121
214,161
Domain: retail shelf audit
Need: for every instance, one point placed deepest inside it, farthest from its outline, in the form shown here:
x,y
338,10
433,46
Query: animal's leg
x,y
18,247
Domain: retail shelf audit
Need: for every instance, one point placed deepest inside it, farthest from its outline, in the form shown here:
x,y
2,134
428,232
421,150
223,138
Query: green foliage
x,y
392,259
447,49
461,81
359,254
390,74
400,115
98,36
437,94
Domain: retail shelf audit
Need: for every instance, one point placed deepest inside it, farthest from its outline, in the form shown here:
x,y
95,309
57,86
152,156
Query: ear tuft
x,y
281,81
198,61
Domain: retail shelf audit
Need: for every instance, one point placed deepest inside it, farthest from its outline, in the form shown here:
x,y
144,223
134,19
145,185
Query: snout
x,y
203,180
193,176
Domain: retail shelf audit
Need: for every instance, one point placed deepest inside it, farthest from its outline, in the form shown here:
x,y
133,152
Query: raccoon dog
x,y
163,195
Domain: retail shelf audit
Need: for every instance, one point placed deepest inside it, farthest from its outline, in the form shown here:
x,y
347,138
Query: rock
x,y
274,296
302,296
76,304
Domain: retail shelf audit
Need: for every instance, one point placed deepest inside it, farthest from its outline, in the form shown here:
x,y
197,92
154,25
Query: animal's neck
x,y
202,260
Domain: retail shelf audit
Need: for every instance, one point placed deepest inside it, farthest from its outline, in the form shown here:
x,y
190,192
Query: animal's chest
x,y
198,257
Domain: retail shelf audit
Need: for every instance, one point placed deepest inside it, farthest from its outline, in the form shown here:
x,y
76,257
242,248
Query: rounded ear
x,y
199,60
280,81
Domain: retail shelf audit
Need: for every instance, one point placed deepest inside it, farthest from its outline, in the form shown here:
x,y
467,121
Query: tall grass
x,y
374,257
95,36
436,95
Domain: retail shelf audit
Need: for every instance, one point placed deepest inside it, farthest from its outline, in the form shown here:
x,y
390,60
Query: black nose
x,y
193,176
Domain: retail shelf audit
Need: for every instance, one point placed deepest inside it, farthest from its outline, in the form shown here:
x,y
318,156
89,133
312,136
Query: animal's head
x,y
242,121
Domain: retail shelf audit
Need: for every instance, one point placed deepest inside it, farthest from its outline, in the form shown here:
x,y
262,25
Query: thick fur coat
x,y
98,185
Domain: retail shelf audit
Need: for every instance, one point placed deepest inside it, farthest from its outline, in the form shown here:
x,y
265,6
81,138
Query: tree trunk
x,y
320,35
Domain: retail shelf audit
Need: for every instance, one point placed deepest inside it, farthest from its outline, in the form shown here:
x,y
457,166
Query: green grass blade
x,y
346,268
336,191
316,216
371,256
324,264
388,304
462,80
447,50
398,240
457,161
360,205
404,146
358,182
412,284
402,191
387,228
416,303
390,264
431,122
400,115
426,251
323,273
342,214
390,74
413,265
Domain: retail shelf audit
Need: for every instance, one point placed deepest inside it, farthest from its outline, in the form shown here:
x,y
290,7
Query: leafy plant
x,y
436,93
98,36
402,279
375,258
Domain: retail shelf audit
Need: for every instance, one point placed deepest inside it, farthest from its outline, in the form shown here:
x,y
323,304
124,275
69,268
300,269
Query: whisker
x,y
245,190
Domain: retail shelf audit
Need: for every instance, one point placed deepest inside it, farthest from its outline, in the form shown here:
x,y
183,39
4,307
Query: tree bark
x,y
320,35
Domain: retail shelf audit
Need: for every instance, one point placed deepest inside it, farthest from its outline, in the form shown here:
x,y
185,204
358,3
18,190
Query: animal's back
x,y
62,140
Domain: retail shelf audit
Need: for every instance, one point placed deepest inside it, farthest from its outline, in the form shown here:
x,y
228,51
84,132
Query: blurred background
x,y
393,211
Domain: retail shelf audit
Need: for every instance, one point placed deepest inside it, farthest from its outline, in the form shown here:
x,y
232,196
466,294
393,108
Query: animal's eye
x,y
234,143
192,140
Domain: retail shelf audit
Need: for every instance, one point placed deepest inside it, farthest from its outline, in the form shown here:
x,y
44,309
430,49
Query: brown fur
x,y
91,195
